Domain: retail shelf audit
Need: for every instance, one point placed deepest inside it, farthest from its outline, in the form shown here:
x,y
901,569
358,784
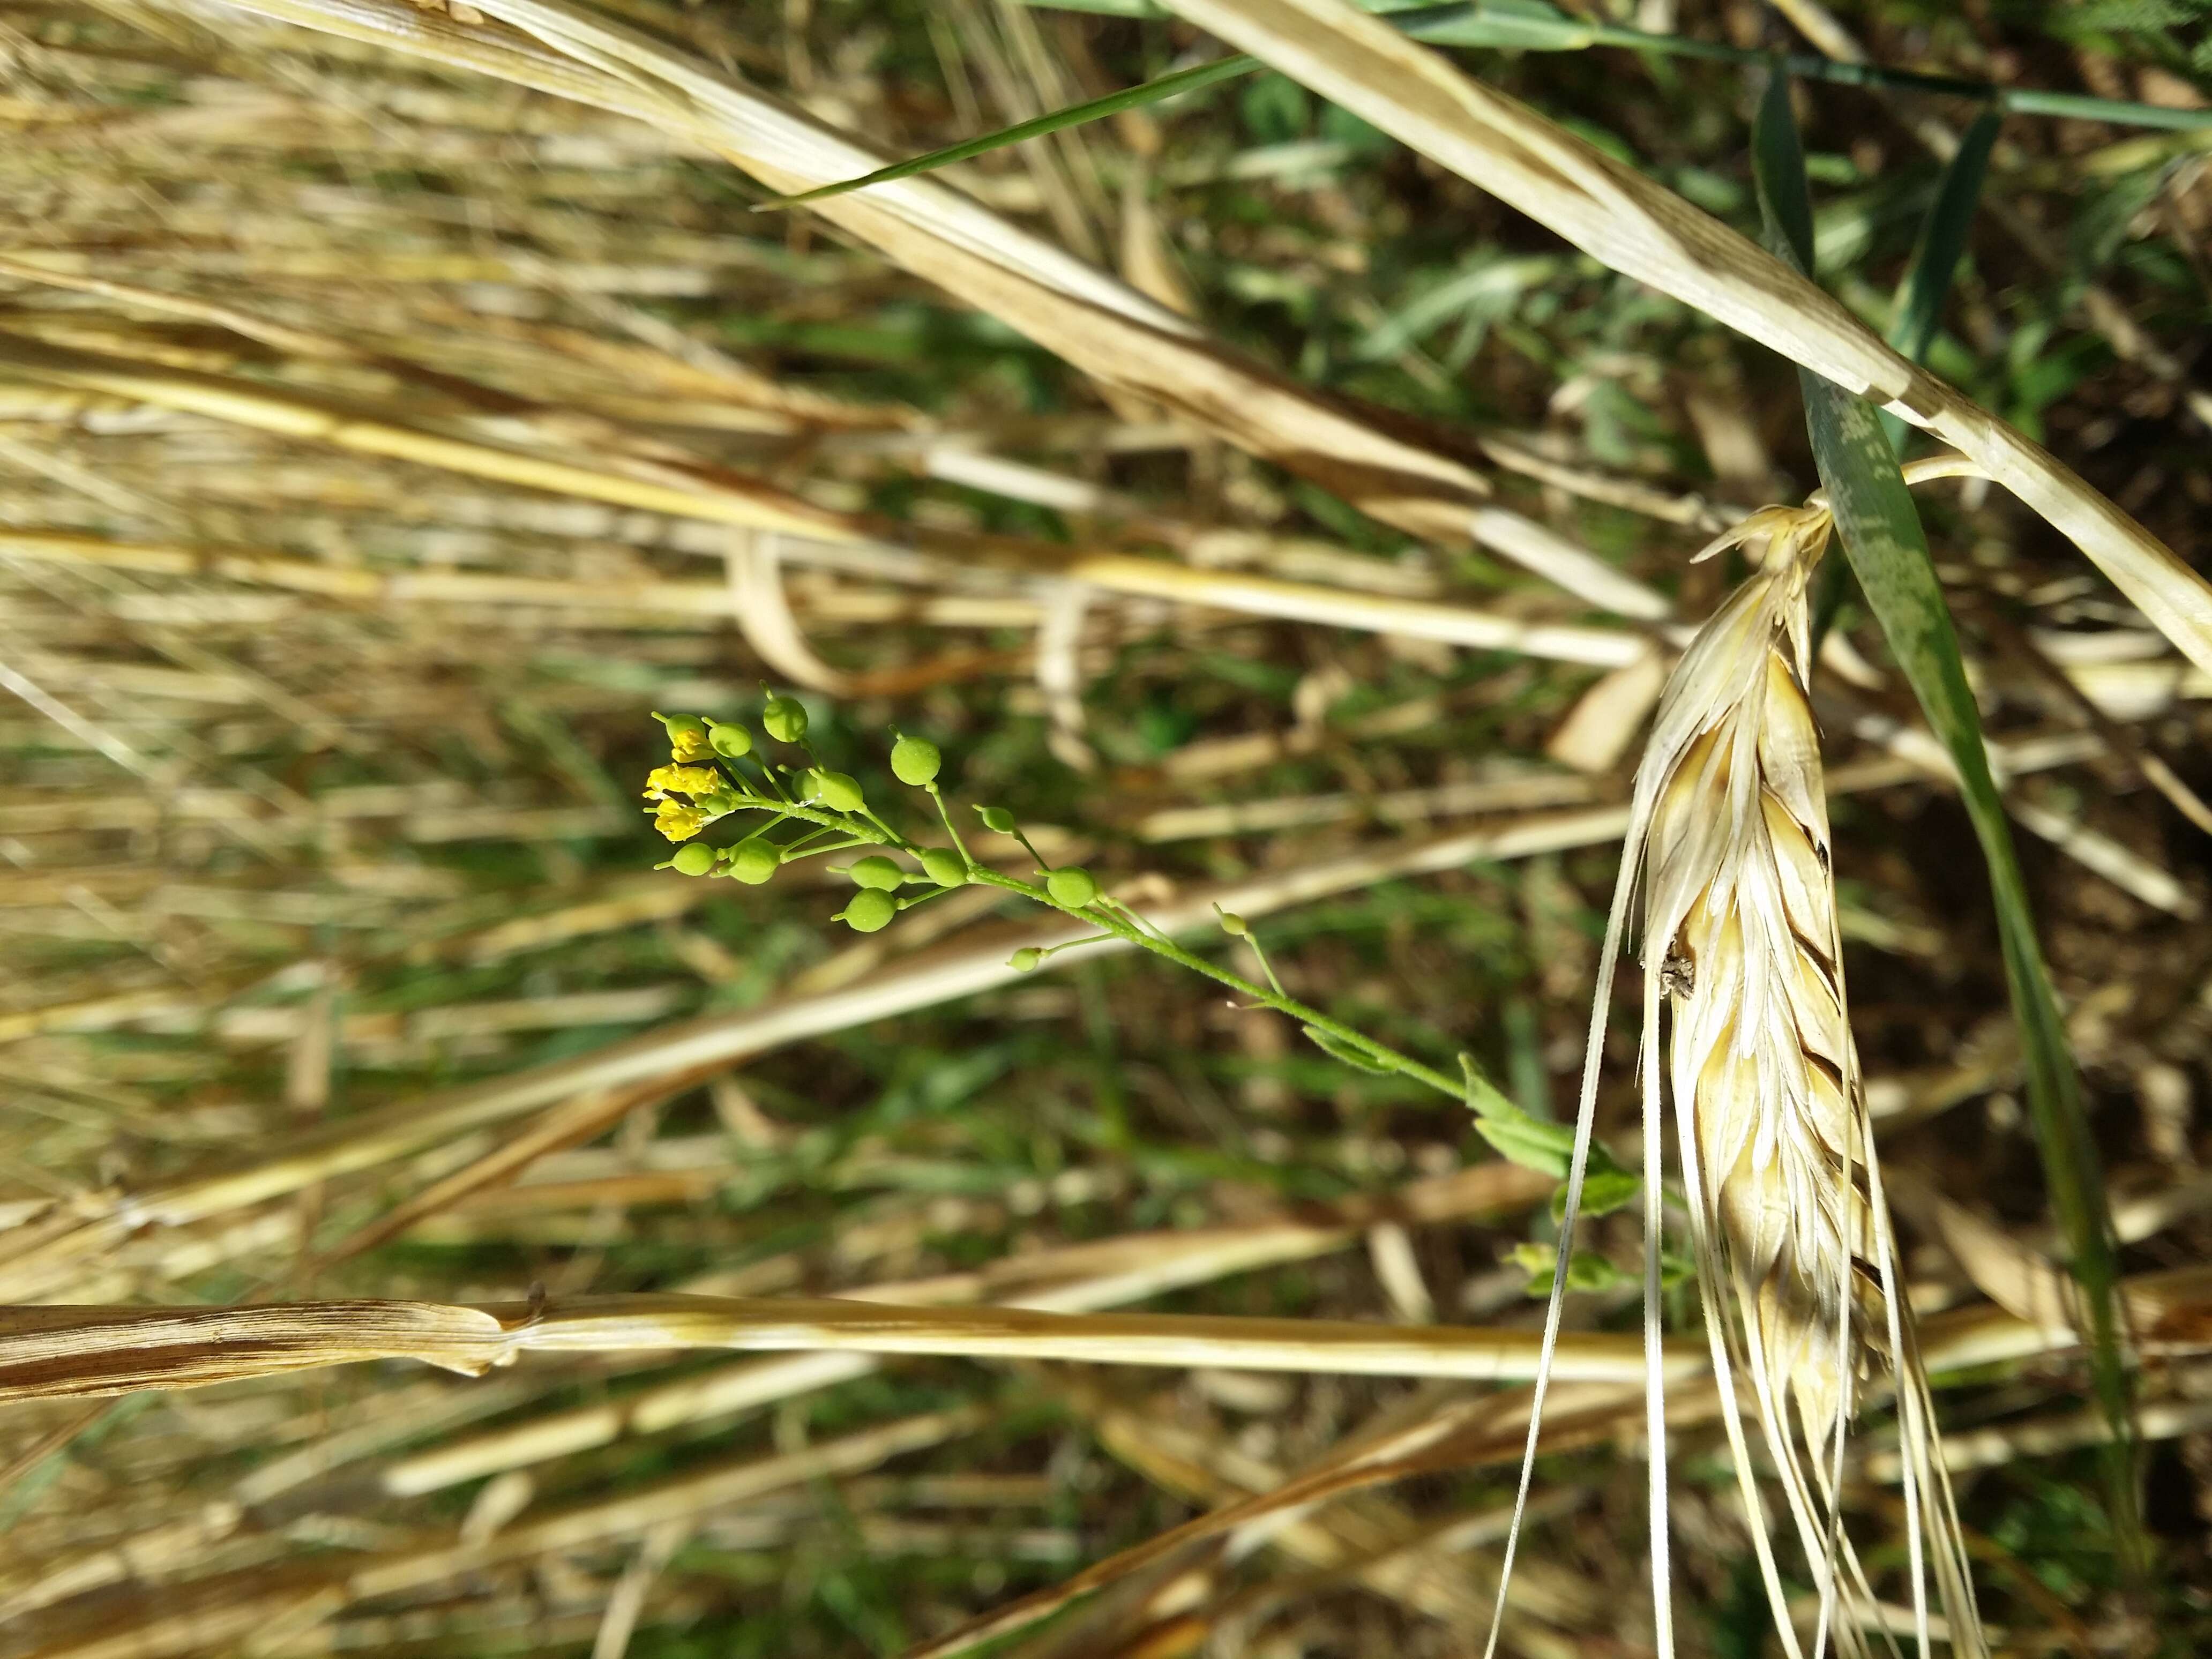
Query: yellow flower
x,y
687,737
682,781
677,821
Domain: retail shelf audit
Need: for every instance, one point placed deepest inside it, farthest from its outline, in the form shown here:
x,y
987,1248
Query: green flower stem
x,y
937,798
865,828
1384,1057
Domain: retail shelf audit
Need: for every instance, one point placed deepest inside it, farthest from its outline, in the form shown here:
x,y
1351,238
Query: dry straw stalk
x,y
1101,325
57,1352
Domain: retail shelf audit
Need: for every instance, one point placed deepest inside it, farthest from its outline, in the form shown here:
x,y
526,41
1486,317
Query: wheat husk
x,y
1727,835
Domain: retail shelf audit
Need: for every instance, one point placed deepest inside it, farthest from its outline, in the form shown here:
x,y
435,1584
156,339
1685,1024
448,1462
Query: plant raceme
x,y
807,809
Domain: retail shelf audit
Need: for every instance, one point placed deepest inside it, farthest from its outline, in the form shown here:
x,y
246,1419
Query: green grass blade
x,y
1935,255
1075,115
1942,240
1883,538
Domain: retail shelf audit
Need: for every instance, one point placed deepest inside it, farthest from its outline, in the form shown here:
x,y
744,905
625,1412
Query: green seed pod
x,y
753,862
1074,887
869,911
915,760
945,867
695,860
996,818
877,873
785,718
729,740
1025,960
1232,924
834,790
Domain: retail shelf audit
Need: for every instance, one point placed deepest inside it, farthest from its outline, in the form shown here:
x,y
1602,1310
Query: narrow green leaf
x,y
1336,1048
1942,240
1149,92
1935,254
1882,534
1777,169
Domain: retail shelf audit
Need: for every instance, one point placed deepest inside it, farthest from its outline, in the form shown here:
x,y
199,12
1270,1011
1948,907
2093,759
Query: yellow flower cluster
x,y
679,819
682,781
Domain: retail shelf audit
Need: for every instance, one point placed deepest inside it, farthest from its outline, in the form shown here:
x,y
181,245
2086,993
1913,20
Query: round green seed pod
x,y
997,819
834,790
694,859
728,740
915,760
753,862
1074,886
1232,924
1025,960
945,867
877,872
869,911
784,719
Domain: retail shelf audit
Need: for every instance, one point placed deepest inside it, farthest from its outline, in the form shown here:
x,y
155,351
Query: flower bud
x,y
784,719
869,911
996,818
1025,960
915,760
693,859
1232,924
729,740
687,736
834,790
753,862
945,867
877,872
1074,886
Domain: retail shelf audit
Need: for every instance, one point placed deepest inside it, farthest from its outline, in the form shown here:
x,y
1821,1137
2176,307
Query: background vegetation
x,y
336,386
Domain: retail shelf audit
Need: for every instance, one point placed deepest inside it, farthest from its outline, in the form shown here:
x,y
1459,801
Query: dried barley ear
x,y
1796,1264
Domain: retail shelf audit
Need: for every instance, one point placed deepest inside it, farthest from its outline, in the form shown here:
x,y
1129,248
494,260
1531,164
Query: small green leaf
x,y
1336,1048
1606,1187
1486,1099
1531,1142
1538,1144
1586,1270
